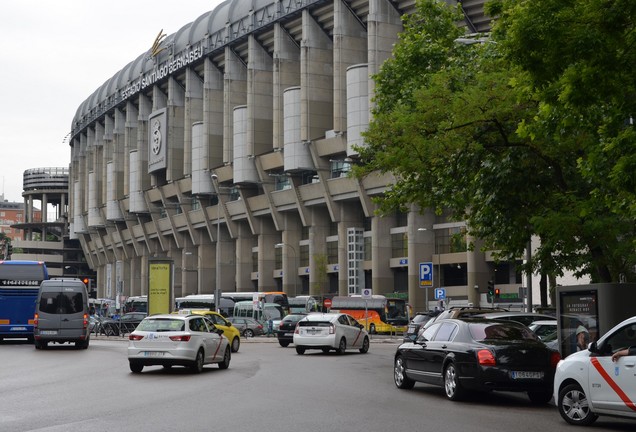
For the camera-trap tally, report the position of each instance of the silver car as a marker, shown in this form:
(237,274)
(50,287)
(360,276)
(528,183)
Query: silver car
(184,340)
(330,331)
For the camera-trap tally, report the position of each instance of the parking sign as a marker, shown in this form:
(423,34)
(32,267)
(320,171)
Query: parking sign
(426,274)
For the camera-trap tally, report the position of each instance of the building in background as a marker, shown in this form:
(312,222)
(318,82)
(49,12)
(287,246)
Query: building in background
(44,234)
(12,213)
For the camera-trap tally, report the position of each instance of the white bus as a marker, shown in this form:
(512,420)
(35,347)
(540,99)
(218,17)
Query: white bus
(259,311)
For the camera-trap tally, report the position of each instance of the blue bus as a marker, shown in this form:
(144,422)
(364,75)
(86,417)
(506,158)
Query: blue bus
(19,285)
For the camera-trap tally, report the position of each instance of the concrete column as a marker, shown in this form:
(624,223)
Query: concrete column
(349,48)
(316,80)
(383,25)
(176,132)
(259,98)
(318,277)
(382,275)
(212,116)
(421,249)
(477,269)
(267,239)
(244,243)
(234,94)
(290,238)
(129,142)
(227,260)
(193,113)
(286,74)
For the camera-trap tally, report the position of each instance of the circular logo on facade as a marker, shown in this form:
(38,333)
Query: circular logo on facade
(156,137)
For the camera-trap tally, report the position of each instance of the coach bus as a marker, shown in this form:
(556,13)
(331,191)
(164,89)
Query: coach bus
(303,304)
(278,297)
(261,312)
(19,285)
(378,314)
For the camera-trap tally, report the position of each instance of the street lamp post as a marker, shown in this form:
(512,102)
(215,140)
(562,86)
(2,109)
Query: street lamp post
(280,245)
(217,288)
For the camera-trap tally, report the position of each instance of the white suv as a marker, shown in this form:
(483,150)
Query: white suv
(330,331)
(184,340)
(587,383)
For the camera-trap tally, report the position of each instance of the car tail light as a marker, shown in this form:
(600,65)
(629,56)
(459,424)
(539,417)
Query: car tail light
(486,358)
(555,357)
(297,329)
(36,320)
(260,326)
(332,329)
(182,338)
(85,323)
(135,337)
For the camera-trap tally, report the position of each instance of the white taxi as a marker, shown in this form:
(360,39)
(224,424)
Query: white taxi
(588,383)
(183,340)
(330,331)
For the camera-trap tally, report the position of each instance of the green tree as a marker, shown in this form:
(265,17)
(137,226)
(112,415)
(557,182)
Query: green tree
(470,132)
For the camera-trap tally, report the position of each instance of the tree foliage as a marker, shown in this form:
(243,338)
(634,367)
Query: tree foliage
(525,134)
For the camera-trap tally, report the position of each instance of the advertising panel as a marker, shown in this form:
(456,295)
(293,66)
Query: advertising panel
(159,287)
(578,319)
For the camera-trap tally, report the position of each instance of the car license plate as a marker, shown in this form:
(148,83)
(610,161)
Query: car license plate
(48,332)
(526,375)
(153,353)
(289,334)
(17,329)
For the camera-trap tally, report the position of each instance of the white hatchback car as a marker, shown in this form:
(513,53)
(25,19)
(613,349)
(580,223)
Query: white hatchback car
(184,340)
(588,384)
(330,331)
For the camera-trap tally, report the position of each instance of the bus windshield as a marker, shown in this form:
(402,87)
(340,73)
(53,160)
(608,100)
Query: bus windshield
(19,285)
(378,313)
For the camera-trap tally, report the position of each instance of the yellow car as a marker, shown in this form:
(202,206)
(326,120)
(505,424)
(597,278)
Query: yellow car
(231,333)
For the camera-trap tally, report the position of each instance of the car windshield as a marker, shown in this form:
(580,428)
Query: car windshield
(161,324)
(421,318)
(486,331)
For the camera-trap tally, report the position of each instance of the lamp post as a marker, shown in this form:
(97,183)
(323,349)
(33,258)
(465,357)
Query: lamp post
(280,245)
(217,288)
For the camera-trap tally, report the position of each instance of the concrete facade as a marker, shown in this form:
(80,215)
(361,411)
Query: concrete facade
(234,137)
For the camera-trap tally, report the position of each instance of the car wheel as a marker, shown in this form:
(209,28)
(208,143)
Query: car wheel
(399,375)
(248,333)
(136,367)
(342,346)
(197,365)
(574,406)
(236,343)
(226,359)
(284,344)
(326,350)
(40,344)
(540,397)
(300,350)
(365,346)
(452,387)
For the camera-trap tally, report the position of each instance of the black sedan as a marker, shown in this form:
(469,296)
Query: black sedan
(286,328)
(476,354)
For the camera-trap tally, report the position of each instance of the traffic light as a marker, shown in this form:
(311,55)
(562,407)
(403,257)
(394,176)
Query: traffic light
(497,292)
(491,288)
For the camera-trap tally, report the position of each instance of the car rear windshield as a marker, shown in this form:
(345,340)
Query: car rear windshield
(62,302)
(314,323)
(486,331)
(161,324)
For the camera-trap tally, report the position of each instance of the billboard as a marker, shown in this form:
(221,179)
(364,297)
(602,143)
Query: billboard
(159,286)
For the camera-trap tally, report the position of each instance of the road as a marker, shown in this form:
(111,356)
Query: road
(266,388)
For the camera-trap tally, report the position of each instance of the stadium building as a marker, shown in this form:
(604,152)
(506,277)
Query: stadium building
(225,148)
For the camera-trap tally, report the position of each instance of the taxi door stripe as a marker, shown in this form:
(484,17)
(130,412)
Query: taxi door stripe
(218,347)
(621,394)
(357,337)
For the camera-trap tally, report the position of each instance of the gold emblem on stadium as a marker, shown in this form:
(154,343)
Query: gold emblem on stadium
(156,45)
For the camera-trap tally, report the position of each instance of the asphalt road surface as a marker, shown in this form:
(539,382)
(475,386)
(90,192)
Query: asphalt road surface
(266,388)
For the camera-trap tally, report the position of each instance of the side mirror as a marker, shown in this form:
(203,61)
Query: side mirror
(593,348)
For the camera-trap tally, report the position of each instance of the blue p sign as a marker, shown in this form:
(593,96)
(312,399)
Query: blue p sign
(426,274)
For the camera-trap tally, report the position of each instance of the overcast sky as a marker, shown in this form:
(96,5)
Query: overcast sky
(55,54)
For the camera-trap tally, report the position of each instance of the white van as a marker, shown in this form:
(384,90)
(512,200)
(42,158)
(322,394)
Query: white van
(61,313)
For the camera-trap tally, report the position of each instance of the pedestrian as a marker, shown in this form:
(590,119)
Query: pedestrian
(270,327)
